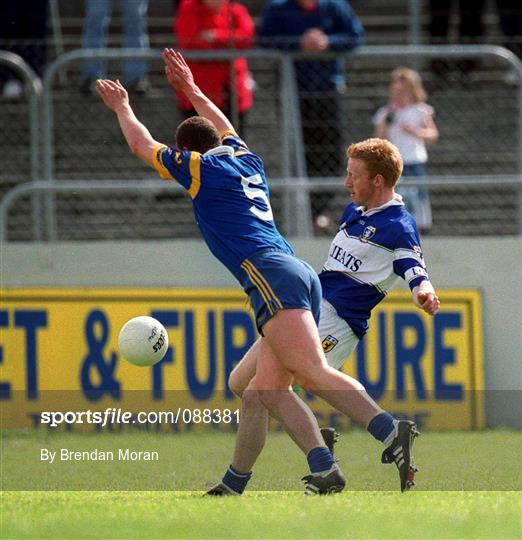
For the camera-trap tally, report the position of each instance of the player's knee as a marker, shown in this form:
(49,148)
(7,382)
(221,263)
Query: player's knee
(236,384)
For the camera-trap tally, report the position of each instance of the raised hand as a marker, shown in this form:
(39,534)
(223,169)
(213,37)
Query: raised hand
(180,78)
(178,73)
(112,93)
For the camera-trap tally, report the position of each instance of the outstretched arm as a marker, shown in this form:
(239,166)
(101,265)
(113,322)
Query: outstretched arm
(424,297)
(136,134)
(180,78)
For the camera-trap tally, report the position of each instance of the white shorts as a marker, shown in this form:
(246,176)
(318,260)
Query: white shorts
(338,339)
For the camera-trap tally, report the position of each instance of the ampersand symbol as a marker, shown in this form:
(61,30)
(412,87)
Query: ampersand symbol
(95,360)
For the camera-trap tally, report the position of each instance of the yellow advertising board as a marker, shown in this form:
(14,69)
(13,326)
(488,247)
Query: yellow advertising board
(58,345)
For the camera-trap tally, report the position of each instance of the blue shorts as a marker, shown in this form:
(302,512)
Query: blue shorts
(275,280)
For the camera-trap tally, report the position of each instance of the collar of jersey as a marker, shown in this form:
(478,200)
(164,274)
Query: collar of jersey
(220,151)
(396,201)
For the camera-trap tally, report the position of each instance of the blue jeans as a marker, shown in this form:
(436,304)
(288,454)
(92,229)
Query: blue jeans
(97,18)
(416,199)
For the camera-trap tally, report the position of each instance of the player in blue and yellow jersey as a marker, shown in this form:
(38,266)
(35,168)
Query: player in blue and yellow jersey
(376,245)
(230,196)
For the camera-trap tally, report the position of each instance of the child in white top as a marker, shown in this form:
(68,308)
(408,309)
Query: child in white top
(407,121)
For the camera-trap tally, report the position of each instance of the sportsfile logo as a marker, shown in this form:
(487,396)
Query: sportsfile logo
(111,416)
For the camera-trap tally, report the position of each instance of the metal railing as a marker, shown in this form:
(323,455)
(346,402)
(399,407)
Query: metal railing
(288,186)
(409,53)
(412,55)
(291,147)
(34,88)
(63,61)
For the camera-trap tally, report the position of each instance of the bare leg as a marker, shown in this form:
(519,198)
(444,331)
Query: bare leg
(245,370)
(273,384)
(294,338)
(355,401)
(251,435)
(252,431)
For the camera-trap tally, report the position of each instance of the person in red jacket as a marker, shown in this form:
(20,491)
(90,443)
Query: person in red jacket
(217,24)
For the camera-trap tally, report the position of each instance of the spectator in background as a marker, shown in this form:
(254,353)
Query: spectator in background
(316,26)
(23,31)
(97,18)
(407,121)
(217,24)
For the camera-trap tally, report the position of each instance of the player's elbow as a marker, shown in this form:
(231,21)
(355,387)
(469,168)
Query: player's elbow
(135,147)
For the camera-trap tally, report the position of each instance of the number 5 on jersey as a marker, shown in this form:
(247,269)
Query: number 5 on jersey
(256,193)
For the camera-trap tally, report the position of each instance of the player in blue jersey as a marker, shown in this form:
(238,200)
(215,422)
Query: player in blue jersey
(376,244)
(227,184)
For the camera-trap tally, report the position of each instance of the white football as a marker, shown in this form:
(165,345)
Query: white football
(143,341)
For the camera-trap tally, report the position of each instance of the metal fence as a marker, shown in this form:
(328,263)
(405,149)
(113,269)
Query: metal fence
(477,96)
(138,217)
(20,133)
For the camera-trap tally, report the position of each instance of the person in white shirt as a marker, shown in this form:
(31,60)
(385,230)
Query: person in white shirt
(407,121)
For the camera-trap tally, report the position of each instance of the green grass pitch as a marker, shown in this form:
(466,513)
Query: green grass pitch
(469,487)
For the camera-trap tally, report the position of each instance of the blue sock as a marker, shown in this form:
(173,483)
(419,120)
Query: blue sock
(235,480)
(382,427)
(320,459)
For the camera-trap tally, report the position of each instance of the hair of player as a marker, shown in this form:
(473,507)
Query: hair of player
(413,83)
(380,157)
(197,134)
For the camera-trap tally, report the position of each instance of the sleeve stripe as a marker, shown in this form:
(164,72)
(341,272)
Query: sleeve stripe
(414,273)
(195,173)
(227,133)
(408,254)
(157,163)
